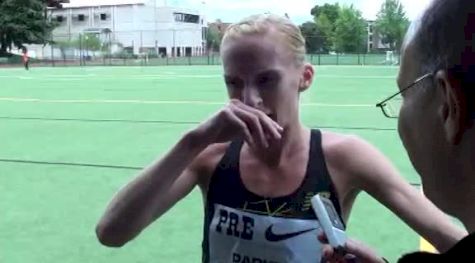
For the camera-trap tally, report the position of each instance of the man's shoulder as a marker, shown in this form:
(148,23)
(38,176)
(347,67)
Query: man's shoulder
(462,250)
(421,257)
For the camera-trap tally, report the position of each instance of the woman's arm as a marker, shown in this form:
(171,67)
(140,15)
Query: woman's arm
(371,171)
(155,190)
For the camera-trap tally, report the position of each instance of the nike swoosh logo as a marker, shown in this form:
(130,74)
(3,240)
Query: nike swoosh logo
(271,236)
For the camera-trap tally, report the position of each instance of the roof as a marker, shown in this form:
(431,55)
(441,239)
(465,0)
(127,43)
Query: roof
(89,3)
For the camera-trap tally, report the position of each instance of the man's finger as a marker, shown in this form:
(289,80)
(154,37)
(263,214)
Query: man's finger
(327,251)
(322,238)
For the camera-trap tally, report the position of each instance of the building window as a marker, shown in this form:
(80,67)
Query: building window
(204,30)
(370,29)
(81,17)
(371,38)
(178,17)
(60,19)
(371,46)
(103,17)
(187,18)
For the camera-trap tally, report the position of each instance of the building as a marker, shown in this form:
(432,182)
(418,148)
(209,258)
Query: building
(133,26)
(374,39)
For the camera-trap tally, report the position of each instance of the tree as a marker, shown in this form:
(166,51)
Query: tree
(330,11)
(325,18)
(313,40)
(213,40)
(56,3)
(23,22)
(215,35)
(392,23)
(350,31)
(327,32)
(91,41)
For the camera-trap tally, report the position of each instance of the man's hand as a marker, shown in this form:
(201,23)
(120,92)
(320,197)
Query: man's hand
(354,251)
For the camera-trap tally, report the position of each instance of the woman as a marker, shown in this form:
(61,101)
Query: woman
(258,166)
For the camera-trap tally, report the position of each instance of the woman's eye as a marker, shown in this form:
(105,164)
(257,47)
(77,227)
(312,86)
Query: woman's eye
(265,80)
(233,83)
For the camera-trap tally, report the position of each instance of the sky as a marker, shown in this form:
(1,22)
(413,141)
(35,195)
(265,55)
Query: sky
(298,10)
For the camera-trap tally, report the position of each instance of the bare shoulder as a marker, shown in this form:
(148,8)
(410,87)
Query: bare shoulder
(206,162)
(342,147)
(354,156)
(350,154)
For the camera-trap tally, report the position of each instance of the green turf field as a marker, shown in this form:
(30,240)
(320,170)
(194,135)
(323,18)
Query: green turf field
(59,126)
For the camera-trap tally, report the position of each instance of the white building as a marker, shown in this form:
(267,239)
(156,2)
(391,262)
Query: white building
(375,42)
(138,26)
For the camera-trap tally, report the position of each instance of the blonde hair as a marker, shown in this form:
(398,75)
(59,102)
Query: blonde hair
(264,23)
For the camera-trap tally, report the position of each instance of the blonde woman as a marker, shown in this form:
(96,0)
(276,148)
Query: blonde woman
(257,165)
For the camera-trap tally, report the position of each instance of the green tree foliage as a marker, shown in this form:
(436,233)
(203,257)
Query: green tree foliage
(325,18)
(213,40)
(327,32)
(331,11)
(23,22)
(215,35)
(392,23)
(313,39)
(350,31)
(91,42)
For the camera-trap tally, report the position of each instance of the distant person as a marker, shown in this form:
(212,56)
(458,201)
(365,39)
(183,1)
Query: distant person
(258,166)
(436,121)
(25,58)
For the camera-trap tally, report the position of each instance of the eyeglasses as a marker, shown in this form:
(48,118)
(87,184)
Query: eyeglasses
(392,104)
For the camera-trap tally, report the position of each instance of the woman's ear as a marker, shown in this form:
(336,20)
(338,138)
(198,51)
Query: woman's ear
(306,79)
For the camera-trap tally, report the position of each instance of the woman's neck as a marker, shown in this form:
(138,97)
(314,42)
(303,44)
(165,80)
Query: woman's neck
(293,139)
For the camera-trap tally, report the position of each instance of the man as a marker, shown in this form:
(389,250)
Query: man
(437,84)
(25,58)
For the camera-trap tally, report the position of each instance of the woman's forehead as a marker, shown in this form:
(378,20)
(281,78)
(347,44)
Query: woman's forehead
(254,52)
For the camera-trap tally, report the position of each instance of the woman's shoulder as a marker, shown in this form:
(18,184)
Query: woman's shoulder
(206,162)
(347,151)
(341,144)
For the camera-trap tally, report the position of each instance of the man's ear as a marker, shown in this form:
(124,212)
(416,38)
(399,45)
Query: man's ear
(306,79)
(454,110)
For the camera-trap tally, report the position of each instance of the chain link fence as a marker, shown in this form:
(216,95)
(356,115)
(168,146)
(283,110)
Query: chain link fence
(141,48)
(207,59)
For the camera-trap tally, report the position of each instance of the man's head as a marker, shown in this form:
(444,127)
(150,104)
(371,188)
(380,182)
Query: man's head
(264,65)
(436,118)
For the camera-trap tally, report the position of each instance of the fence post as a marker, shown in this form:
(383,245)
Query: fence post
(52,55)
(319,61)
(359,59)
(337,59)
(81,62)
(189,60)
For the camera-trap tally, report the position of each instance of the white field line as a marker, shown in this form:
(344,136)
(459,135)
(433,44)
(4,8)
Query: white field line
(178,102)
